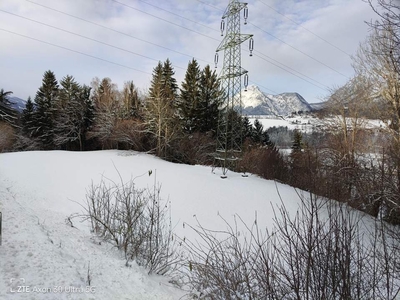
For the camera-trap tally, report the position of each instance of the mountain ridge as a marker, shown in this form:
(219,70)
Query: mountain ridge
(255,102)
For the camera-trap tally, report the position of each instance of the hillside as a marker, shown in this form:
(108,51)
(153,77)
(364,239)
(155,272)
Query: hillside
(255,102)
(39,190)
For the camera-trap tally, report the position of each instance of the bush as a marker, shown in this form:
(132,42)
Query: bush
(134,220)
(266,162)
(324,251)
(7,137)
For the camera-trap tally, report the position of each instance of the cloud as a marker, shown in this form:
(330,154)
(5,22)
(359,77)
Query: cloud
(154,29)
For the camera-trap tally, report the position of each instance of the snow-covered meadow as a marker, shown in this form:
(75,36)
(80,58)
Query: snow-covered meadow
(40,190)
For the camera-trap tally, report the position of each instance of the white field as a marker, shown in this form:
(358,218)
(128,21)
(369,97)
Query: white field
(308,123)
(39,190)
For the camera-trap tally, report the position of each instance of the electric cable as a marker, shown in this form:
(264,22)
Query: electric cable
(85,37)
(75,51)
(114,30)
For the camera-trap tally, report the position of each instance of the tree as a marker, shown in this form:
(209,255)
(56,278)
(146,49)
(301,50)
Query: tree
(131,101)
(378,60)
(46,110)
(160,109)
(7,113)
(28,117)
(297,145)
(257,132)
(189,109)
(169,87)
(76,114)
(108,108)
(211,98)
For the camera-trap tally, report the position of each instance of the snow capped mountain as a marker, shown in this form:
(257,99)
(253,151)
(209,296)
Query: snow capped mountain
(255,102)
(17,103)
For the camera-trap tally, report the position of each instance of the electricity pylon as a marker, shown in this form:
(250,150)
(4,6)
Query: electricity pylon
(229,131)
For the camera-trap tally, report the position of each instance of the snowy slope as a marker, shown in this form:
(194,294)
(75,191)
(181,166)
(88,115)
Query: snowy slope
(39,190)
(255,102)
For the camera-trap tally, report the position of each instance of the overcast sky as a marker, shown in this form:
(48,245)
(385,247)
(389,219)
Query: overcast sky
(124,40)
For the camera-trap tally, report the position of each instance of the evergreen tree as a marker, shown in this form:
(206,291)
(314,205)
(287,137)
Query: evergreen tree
(76,114)
(160,108)
(28,117)
(247,130)
(189,101)
(257,133)
(131,100)
(297,145)
(261,136)
(46,110)
(210,97)
(169,86)
(7,113)
(108,108)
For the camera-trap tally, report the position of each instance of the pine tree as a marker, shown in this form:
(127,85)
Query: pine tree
(28,117)
(297,145)
(7,113)
(210,97)
(160,115)
(247,130)
(131,101)
(108,108)
(189,101)
(257,134)
(46,110)
(169,86)
(76,114)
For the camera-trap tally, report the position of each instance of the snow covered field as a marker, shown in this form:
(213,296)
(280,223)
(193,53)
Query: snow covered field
(308,123)
(40,190)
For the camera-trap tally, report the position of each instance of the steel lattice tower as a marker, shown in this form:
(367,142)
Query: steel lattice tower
(229,132)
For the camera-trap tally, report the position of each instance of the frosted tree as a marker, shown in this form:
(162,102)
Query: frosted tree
(106,99)
(75,116)
(46,110)
(160,115)
(7,113)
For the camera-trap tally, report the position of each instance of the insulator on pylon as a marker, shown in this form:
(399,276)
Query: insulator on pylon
(251,46)
(246,81)
(216,59)
(246,15)
(222,27)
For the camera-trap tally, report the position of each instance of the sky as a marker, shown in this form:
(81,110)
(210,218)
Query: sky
(302,46)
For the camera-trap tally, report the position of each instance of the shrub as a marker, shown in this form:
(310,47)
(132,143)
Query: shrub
(134,220)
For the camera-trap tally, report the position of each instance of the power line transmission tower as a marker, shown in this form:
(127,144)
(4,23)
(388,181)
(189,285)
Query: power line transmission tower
(229,131)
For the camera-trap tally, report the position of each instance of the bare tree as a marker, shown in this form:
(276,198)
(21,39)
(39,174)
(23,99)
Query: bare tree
(378,60)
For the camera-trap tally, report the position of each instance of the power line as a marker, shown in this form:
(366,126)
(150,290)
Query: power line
(293,47)
(167,21)
(177,15)
(208,4)
(96,24)
(75,51)
(85,37)
(298,50)
(304,79)
(298,24)
(291,70)
(116,31)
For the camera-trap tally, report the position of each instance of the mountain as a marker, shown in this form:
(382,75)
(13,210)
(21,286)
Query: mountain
(255,102)
(17,103)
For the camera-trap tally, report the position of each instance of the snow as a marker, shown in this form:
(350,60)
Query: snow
(40,190)
(254,101)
